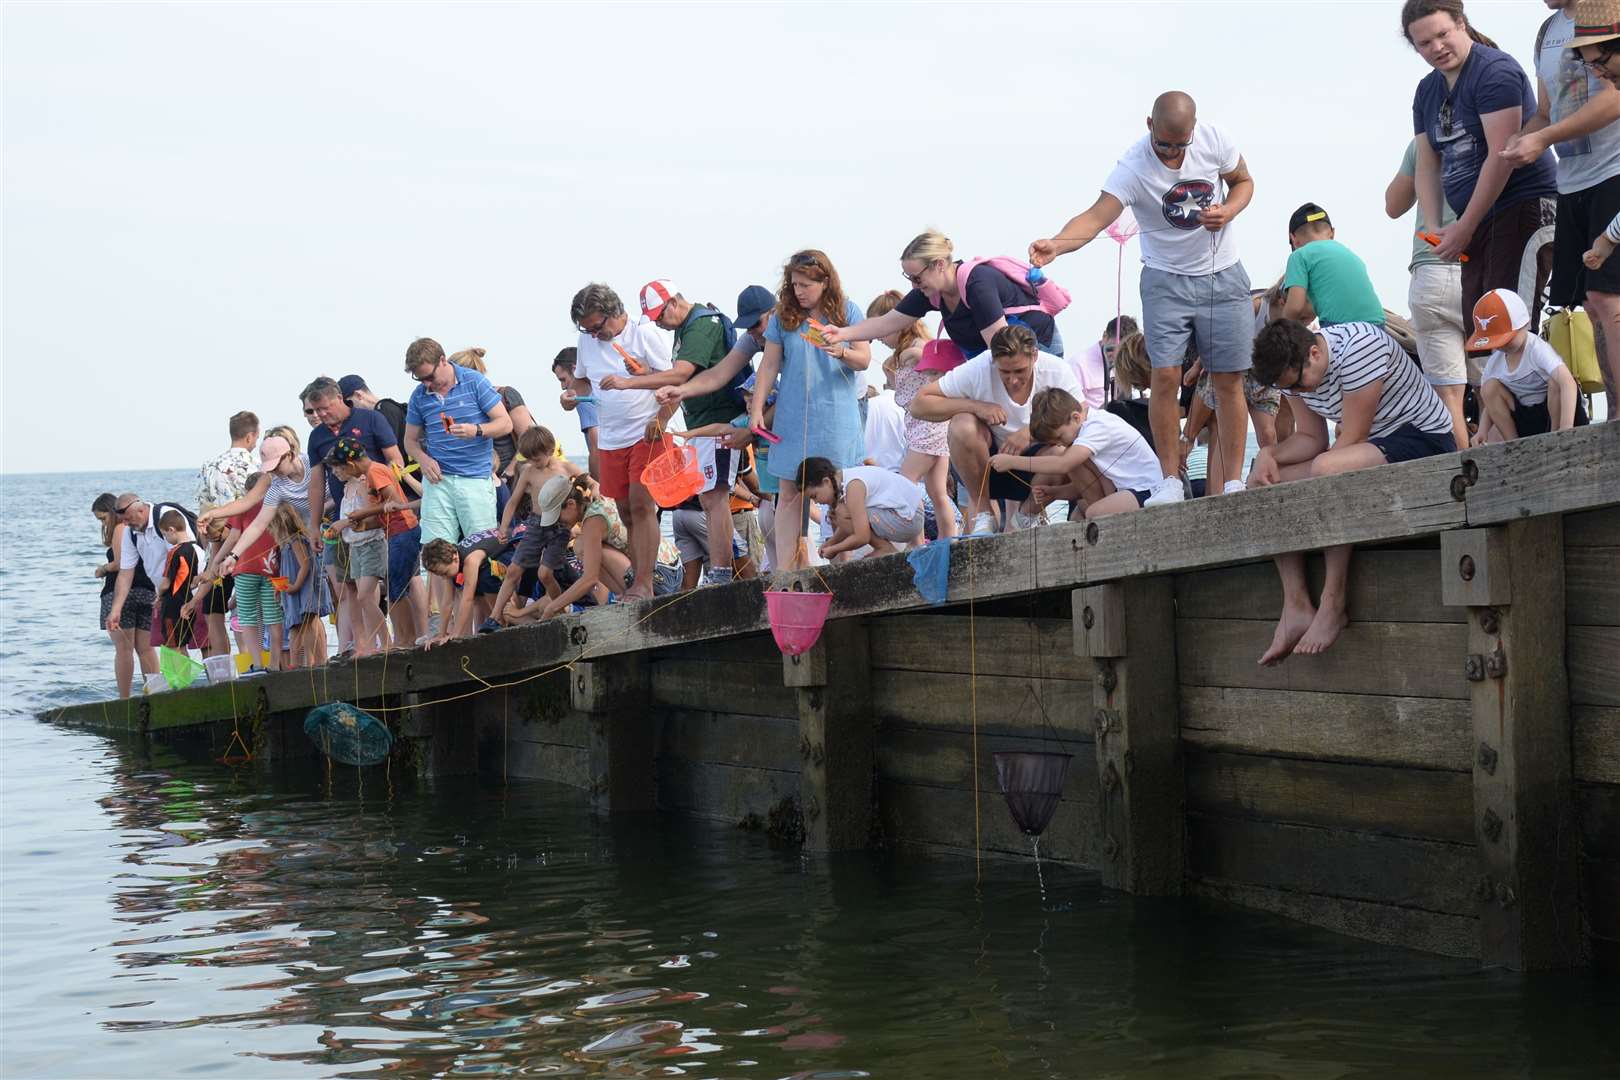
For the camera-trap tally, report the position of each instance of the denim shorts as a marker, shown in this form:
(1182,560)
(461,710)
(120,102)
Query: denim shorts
(1212,312)
(404,550)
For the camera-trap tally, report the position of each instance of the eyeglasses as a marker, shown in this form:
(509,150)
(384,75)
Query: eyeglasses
(308,411)
(591,331)
(419,378)
(1299,373)
(916,279)
(126,508)
(1170,147)
(1600,63)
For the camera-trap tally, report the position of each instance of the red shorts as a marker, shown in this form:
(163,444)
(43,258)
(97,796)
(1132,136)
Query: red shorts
(621,468)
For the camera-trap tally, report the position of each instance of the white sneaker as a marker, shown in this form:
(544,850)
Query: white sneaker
(983,523)
(1167,490)
(1233,487)
(1020,520)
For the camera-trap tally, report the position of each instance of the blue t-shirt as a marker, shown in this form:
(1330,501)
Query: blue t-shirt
(468,402)
(373,431)
(1490,81)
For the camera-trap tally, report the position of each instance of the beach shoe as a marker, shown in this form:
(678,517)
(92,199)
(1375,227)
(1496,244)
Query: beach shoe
(984,523)
(1232,487)
(489,626)
(1168,490)
(1020,520)
(722,576)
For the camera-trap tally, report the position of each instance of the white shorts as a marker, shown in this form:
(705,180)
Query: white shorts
(718,462)
(1435,297)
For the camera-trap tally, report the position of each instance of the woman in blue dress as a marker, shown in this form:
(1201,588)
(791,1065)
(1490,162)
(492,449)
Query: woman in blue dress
(818,398)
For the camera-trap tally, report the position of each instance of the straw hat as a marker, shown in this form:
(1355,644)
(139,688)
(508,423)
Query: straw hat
(1595,21)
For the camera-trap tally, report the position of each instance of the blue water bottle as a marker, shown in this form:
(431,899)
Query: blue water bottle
(1036,277)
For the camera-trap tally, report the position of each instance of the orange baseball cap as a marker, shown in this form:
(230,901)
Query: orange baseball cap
(1497,317)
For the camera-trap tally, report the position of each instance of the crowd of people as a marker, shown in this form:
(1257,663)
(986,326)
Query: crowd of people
(987,423)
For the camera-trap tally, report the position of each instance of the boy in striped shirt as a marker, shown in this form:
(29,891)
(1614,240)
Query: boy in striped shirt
(1360,377)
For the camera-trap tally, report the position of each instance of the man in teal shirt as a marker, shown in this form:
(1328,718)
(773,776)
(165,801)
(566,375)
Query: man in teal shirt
(1324,276)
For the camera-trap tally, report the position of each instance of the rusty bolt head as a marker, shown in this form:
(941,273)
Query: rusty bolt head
(1490,620)
(1465,568)
(1474,667)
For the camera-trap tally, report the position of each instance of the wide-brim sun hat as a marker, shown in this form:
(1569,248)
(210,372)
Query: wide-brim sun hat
(1596,21)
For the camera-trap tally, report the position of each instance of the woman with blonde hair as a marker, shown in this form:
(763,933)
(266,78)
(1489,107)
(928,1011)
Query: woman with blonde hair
(818,401)
(970,313)
(927,461)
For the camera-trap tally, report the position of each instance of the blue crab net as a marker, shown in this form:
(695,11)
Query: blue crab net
(931,569)
(348,735)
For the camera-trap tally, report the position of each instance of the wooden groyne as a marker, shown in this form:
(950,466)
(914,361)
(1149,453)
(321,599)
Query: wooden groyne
(1447,777)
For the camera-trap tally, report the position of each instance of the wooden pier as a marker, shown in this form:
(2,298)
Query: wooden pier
(1447,777)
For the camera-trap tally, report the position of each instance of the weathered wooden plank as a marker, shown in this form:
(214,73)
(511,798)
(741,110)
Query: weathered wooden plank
(1594,661)
(1408,499)
(1409,873)
(1597,743)
(1016,648)
(1411,928)
(1386,585)
(942,818)
(1592,528)
(1592,585)
(1426,733)
(837,732)
(752,689)
(923,756)
(1598,811)
(746,649)
(1421,803)
(725,792)
(560,764)
(767,742)
(1546,474)
(1005,706)
(1400,659)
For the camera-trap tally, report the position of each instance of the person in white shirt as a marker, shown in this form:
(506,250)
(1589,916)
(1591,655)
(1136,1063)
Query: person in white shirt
(1194,288)
(1358,376)
(872,509)
(611,347)
(1526,388)
(885,430)
(986,401)
(1094,458)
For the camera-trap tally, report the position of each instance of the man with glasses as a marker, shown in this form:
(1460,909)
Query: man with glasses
(613,347)
(450,423)
(145,546)
(1194,288)
(1358,376)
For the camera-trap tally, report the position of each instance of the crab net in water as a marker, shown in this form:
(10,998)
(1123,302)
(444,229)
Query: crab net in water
(348,735)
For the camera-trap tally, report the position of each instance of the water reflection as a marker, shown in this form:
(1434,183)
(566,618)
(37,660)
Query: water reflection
(291,924)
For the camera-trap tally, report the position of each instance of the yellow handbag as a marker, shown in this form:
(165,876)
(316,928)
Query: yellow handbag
(1570,335)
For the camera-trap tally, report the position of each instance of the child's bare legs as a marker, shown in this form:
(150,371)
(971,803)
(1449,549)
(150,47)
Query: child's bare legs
(933,472)
(368,621)
(417,594)
(219,637)
(274,632)
(403,615)
(1499,402)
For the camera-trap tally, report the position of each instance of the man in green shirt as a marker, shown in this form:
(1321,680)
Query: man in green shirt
(703,337)
(1324,276)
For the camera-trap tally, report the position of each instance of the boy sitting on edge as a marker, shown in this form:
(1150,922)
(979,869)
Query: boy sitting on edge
(1359,376)
(1324,276)
(1105,464)
(1526,388)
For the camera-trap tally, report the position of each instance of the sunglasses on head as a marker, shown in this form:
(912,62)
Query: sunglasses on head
(126,508)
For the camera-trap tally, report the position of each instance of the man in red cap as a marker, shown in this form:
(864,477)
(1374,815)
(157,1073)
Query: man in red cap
(703,337)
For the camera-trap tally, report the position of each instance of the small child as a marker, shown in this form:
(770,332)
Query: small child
(1106,466)
(541,462)
(1324,276)
(541,556)
(871,506)
(181,628)
(304,601)
(927,459)
(466,566)
(1526,388)
(258,606)
(367,542)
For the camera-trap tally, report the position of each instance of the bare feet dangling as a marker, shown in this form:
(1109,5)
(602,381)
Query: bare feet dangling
(1290,629)
(1324,630)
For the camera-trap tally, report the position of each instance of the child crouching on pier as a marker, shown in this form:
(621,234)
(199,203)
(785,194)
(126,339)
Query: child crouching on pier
(1358,376)
(1101,462)
(871,506)
(1526,388)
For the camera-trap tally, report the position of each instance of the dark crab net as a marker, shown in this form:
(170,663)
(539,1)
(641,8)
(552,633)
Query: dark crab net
(1032,784)
(348,735)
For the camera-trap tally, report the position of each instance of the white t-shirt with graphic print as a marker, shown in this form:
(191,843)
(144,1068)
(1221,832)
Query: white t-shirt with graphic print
(1168,202)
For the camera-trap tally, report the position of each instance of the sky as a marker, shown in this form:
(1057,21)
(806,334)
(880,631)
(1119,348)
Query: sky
(207,205)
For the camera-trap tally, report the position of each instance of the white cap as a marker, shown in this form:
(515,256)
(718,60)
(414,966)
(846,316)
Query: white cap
(654,295)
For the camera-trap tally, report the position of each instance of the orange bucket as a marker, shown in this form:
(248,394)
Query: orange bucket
(797,618)
(674,475)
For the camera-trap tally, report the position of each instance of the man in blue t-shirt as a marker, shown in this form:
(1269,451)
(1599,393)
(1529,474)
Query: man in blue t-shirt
(450,424)
(1464,113)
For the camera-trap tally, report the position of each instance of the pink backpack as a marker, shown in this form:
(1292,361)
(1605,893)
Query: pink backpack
(1050,296)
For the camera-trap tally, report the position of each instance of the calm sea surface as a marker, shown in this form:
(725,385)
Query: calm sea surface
(170,917)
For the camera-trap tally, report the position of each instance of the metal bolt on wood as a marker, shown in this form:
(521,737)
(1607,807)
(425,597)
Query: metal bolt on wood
(1492,826)
(1088,618)
(1106,677)
(1505,895)
(1110,777)
(1474,667)
(1496,663)
(1103,720)
(1465,568)
(1487,758)
(1490,620)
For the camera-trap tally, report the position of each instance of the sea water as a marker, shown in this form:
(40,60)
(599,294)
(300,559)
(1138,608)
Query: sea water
(164,915)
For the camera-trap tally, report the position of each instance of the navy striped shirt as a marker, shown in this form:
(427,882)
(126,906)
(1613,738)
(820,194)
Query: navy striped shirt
(1362,353)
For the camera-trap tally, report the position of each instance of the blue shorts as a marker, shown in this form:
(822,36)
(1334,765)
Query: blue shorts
(403,551)
(587,416)
(1211,311)
(1409,442)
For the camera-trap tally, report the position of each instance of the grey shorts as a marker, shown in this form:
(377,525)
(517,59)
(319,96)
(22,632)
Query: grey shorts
(369,559)
(889,525)
(1212,312)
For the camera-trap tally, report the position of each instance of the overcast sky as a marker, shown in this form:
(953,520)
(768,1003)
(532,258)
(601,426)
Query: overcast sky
(207,205)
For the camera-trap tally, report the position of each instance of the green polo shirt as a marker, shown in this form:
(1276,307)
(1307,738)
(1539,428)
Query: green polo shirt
(1335,279)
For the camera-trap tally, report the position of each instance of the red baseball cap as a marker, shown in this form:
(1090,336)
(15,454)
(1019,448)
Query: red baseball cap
(1499,315)
(654,295)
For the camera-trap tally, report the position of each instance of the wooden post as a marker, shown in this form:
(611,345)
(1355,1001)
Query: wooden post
(1129,629)
(1511,578)
(623,732)
(837,732)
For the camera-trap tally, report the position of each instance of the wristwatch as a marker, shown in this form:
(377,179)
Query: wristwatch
(480,429)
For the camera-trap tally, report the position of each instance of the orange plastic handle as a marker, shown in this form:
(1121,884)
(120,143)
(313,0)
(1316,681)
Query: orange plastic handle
(1434,241)
(636,367)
